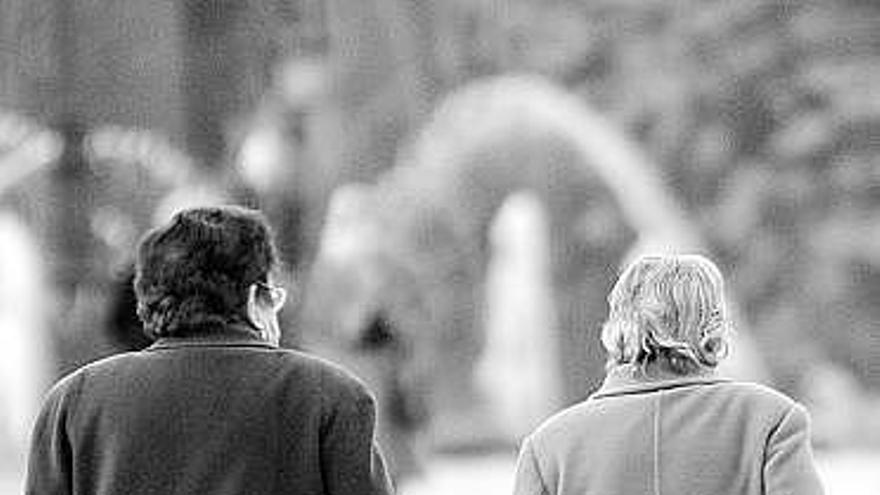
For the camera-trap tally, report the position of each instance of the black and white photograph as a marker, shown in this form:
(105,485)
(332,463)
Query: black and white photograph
(439,247)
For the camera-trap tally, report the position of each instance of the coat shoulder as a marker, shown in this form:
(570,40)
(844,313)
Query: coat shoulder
(754,396)
(327,374)
(761,395)
(106,366)
(570,419)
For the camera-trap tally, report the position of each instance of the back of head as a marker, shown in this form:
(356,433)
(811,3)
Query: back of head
(670,309)
(194,272)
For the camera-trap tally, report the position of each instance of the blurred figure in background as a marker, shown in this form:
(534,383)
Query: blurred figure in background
(123,327)
(664,421)
(351,318)
(25,360)
(214,406)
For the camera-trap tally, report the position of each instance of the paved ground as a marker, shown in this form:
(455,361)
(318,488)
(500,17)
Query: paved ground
(9,485)
(847,473)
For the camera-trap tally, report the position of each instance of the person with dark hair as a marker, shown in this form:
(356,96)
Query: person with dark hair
(214,406)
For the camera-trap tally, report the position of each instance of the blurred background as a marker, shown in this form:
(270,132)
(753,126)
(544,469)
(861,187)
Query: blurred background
(455,185)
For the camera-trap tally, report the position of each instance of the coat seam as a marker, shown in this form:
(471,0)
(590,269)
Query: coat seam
(75,394)
(656,446)
(770,434)
(534,455)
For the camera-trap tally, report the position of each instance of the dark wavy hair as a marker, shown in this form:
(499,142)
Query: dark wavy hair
(194,272)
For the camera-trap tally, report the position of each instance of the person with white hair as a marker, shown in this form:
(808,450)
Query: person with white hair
(664,421)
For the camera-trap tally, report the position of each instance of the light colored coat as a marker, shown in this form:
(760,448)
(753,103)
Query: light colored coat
(672,435)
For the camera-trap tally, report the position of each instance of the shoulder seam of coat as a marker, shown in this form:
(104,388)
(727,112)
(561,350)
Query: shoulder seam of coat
(75,395)
(656,447)
(533,449)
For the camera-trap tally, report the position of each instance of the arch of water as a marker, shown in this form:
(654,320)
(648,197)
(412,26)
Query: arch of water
(423,253)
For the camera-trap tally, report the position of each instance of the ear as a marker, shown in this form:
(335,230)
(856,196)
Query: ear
(252,310)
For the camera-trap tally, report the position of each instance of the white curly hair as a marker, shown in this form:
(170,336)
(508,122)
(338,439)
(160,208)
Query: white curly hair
(670,308)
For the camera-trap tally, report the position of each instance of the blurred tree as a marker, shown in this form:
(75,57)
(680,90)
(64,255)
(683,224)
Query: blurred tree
(226,65)
(762,116)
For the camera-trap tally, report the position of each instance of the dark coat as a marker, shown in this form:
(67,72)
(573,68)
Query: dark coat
(696,435)
(224,414)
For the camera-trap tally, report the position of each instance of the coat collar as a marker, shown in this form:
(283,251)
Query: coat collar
(631,379)
(228,336)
